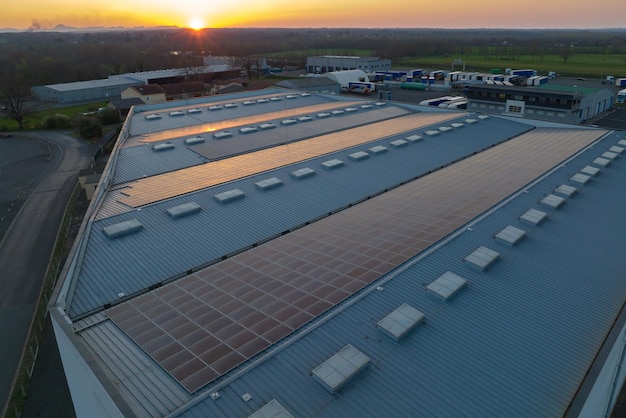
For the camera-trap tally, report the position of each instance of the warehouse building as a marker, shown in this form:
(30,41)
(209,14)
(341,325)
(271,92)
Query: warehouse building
(285,253)
(552,102)
(327,63)
(112,87)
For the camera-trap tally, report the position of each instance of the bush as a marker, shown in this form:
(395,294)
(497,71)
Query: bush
(89,128)
(57,121)
(109,116)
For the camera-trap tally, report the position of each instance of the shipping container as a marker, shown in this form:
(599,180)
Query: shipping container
(526,73)
(361,87)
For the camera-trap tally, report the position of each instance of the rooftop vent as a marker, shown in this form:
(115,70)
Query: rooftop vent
(291,96)
(610,155)
(351,109)
(336,112)
(269,183)
(215,107)
(184,210)
(222,135)
(305,118)
(414,138)
(553,201)
(359,155)
(604,162)
(470,121)
(123,228)
(177,113)
(302,173)
(483,117)
(399,322)
(248,129)
(510,235)
(456,125)
(340,368)
(580,178)
(399,143)
(194,140)
(263,100)
(229,196)
(276,99)
(378,149)
(305,94)
(267,125)
(566,190)
(432,132)
(445,128)
(534,216)
(153,116)
(331,164)
(230,105)
(482,258)
(322,115)
(447,285)
(194,110)
(616,149)
(379,103)
(590,171)
(163,147)
(288,121)
(248,103)
(272,409)
(622,142)
(366,106)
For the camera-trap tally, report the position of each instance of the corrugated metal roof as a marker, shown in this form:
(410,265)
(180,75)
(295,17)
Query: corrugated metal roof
(516,342)
(166,248)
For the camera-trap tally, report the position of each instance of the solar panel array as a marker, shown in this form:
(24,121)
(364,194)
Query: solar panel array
(200,327)
(156,188)
(241,121)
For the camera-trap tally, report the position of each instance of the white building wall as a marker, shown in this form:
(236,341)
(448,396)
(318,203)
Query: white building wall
(89,397)
(607,387)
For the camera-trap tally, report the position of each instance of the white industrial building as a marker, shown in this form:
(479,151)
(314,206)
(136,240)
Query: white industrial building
(295,254)
(328,63)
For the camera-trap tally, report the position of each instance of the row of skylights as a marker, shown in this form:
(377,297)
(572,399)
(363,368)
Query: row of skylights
(194,110)
(285,122)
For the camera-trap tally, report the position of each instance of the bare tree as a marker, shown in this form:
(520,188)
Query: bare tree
(16,100)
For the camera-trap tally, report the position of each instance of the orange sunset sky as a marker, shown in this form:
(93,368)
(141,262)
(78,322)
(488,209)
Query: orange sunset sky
(46,14)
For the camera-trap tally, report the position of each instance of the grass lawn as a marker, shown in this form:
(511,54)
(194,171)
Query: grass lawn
(34,121)
(577,65)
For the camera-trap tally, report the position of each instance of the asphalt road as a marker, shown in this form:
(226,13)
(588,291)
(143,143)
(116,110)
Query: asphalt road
(38,172)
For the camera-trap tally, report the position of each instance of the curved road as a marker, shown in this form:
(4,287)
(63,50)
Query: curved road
(38,172)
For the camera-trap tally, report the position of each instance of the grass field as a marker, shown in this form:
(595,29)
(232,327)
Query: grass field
(34,121)
(577,65)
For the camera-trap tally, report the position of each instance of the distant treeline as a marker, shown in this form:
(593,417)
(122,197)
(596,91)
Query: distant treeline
(58,57)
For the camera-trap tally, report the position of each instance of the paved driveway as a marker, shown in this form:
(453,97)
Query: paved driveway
(38,172)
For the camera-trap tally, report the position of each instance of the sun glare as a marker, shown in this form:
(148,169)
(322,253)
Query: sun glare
(196,23)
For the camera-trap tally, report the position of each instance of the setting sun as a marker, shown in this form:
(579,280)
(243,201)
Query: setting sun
(196,23)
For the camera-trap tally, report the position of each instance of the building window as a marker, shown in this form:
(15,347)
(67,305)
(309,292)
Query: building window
(540,112)
(542,100)
(560,114)
(518,97)
(530,110)
(502,96)
(515,109)
(563,101)
(552,100)
(532,99)
(550,113)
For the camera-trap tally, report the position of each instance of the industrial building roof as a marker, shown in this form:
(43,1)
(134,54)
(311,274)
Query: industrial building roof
(368,258)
